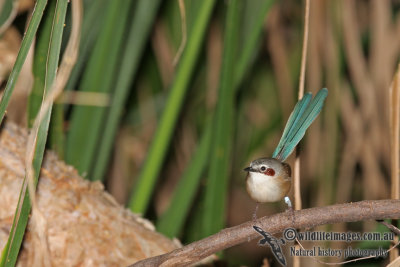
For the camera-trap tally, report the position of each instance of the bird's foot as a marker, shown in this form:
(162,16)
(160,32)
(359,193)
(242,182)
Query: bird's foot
(290,209)
(255,212)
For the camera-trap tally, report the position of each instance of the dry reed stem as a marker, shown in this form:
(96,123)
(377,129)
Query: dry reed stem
(351,147)
(356,60)
(352,124)
(17,107)
(326,164)
(314,75)
(374,129)
(395,133)
(296,176)
(304,50)
(365,86)
(68,61)
(381,59)
(395,263)
(396,36)
(395,142)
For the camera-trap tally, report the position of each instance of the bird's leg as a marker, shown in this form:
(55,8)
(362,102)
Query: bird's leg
(288,202)
(255,212)
(290,208)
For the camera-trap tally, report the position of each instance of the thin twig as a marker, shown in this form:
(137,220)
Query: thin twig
(392,228)
(307,218)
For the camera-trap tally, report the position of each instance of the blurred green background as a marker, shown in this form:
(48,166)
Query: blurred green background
(170,141)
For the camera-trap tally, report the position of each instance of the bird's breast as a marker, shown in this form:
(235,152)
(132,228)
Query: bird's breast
(263,188)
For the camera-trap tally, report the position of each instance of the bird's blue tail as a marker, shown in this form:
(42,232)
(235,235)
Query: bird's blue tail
(303,114)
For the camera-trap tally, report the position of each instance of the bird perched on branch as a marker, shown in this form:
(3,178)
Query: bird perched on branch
(269,179)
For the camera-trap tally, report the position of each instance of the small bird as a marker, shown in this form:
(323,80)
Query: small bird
(269,179)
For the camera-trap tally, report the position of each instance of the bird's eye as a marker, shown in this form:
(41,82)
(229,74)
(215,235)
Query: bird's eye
(263,168)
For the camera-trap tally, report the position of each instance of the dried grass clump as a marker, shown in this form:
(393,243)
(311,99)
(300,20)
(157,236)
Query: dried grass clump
(85,226)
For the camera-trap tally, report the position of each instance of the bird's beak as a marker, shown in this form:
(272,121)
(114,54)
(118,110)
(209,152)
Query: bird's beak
(249,169)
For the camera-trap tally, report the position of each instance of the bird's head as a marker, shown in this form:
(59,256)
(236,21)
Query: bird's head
(270,167)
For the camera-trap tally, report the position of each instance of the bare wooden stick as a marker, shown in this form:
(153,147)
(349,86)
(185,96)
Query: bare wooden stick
(307,218)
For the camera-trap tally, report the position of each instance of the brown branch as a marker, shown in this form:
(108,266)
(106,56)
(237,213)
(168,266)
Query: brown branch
(307,218)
